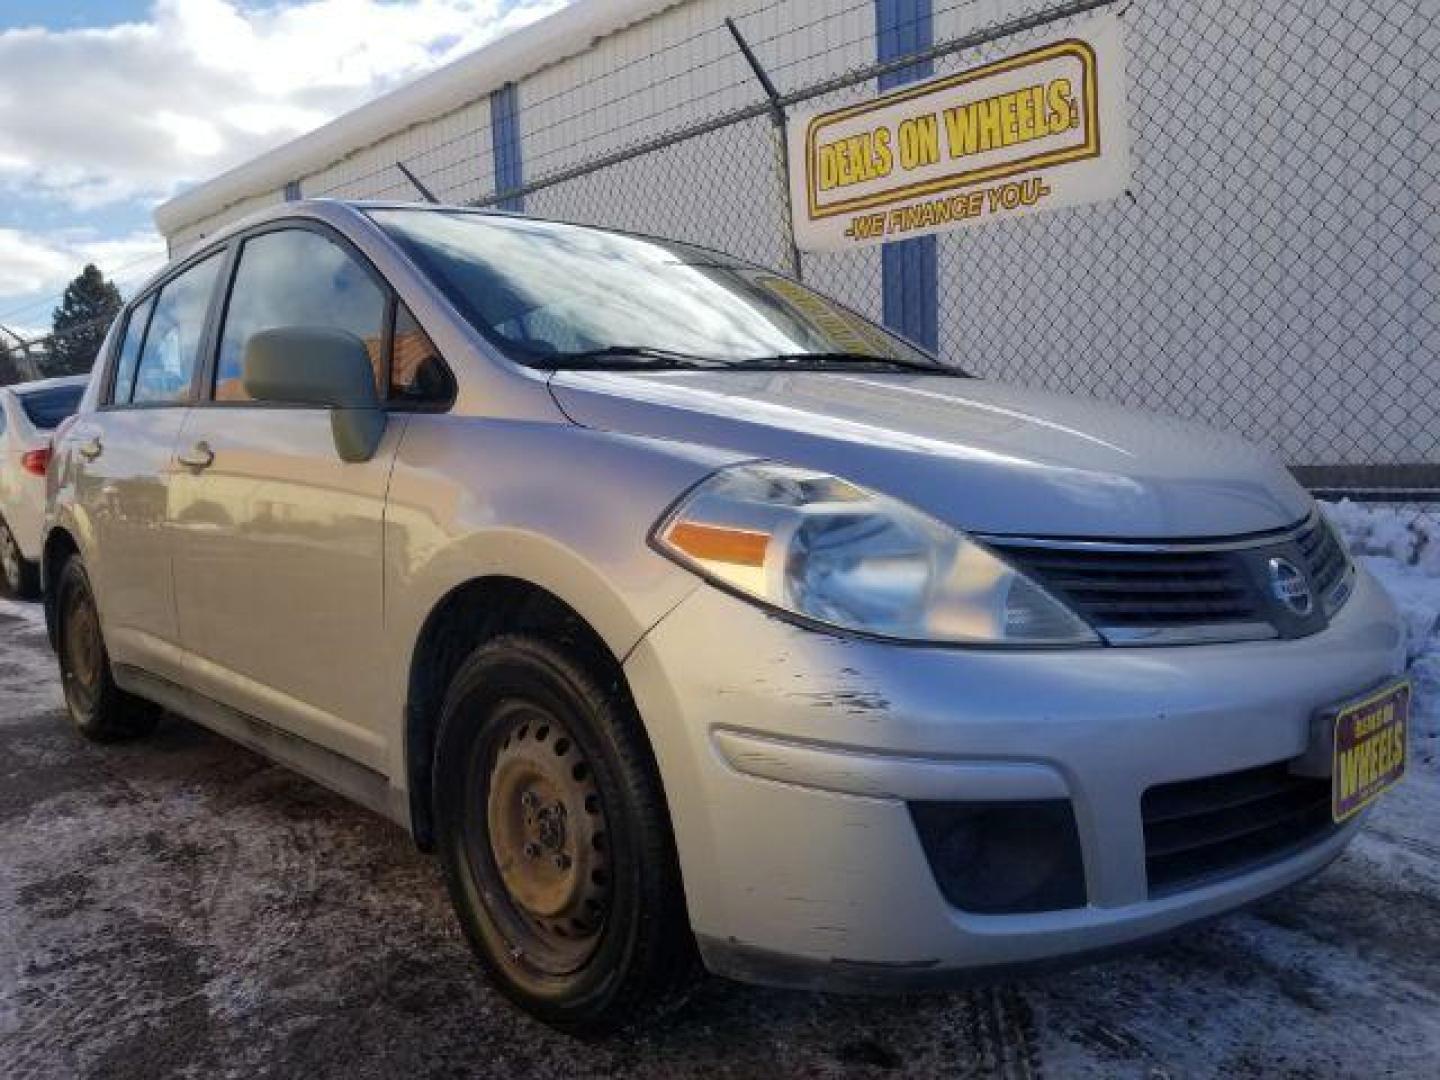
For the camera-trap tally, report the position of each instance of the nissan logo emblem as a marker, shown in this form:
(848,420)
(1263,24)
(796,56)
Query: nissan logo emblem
(1289,585)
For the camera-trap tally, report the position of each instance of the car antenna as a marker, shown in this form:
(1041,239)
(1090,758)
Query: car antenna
(425,193)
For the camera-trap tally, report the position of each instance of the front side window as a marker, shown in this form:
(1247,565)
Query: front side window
(129,357)
(294,278)
(172,343)
(554,295)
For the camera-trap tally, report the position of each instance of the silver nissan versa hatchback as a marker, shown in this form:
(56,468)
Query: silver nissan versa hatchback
(695,621)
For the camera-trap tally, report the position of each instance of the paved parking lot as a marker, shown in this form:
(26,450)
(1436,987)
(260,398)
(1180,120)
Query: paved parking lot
(181,908)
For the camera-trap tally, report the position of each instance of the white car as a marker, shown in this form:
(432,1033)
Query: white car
(29,414)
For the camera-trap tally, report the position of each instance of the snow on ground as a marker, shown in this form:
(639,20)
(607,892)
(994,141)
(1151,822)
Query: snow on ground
(179,907)
(1400,545)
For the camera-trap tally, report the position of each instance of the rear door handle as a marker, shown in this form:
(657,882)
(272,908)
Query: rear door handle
(199,456)
(91,449)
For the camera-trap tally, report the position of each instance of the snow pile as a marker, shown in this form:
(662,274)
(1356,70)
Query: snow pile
(1400,545)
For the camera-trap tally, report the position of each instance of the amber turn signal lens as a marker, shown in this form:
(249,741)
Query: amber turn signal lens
(719,544)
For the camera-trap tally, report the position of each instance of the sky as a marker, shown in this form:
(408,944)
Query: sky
(108,107)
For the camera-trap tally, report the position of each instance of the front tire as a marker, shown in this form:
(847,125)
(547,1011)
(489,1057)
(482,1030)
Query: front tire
(100,710)
(556,841)
(19,577)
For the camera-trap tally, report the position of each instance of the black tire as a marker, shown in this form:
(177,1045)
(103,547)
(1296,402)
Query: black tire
(514,703)
(100,710)
(19,577)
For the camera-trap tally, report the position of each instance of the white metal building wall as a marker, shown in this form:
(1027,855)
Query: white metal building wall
(451,152)
(1243,284)
(1272,270)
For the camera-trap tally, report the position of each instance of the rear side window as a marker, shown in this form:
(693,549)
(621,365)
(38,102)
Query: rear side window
(46,408)
(172,344)
(296,277)
(130,351)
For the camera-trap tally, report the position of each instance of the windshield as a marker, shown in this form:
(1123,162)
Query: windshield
(555,295)
(46,408)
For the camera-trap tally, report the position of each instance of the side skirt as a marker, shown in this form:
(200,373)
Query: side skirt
(355,782)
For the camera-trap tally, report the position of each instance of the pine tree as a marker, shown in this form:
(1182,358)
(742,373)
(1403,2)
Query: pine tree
(89,305)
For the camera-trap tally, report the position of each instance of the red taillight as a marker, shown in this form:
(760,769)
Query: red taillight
(35,461)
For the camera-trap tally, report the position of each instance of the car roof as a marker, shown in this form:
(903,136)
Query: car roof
(337,212)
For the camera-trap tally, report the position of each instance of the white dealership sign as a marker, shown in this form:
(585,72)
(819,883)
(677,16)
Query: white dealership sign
(1039,130)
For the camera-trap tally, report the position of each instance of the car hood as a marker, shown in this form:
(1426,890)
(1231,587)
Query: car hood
(981,456)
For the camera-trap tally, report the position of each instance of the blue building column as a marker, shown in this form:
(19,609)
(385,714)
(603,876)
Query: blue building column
(505,142)
(910,268)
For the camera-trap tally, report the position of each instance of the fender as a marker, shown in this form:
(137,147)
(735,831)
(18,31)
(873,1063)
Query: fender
(555,506)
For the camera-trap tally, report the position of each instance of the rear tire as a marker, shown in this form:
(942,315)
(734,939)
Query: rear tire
(556,841)
(19,577)
(100,710)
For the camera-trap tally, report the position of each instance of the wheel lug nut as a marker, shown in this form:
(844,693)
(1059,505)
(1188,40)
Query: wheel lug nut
(562,861)
(529,801)
(532,851)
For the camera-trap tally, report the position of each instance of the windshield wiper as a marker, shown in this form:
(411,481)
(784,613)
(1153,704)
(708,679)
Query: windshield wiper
(649,358)
(625,356)
(846,359)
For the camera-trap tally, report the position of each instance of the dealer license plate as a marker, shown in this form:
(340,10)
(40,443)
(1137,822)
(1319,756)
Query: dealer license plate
(1371,738)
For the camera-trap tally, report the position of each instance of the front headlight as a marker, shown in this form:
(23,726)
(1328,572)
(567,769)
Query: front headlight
(828,551)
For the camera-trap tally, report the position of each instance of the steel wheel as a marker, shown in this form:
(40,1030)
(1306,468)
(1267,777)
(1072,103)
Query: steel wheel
(552,827)
(100,710)
(12,563)
(82,651)
(544,866)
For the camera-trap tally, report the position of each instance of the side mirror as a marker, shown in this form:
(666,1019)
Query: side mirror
(304,365)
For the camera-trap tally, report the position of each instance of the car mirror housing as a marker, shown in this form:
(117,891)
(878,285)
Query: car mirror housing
(330,369)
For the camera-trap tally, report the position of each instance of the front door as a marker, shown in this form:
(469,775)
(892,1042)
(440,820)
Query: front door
(278,542)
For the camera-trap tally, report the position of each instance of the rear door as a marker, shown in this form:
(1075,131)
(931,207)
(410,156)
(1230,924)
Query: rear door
(125,466)
(278,571)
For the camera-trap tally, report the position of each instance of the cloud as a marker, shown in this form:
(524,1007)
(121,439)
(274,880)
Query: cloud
(97,116)
(41,266)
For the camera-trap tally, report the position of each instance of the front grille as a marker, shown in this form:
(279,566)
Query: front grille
(1324,558)
(1144,593)
(1145,589)
(1198,831)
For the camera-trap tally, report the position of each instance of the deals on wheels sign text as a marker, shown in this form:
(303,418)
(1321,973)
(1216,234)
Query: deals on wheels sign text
(1036,131)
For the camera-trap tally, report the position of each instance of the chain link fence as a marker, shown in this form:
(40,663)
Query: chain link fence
(1272,271)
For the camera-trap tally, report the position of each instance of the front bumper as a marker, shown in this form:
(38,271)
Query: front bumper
(791,759)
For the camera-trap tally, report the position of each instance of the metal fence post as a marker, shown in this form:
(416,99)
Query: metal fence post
(782,129)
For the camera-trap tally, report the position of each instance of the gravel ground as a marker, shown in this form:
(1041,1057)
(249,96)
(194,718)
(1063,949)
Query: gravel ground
(182,908)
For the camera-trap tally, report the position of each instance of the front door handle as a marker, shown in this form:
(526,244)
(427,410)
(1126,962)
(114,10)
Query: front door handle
(90,450)
(199,456)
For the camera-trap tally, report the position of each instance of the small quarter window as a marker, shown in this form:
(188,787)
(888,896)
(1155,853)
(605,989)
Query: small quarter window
(417,374)
(172,344)
(130,352)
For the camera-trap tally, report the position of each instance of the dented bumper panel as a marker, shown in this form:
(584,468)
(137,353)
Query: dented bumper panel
(792,759)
